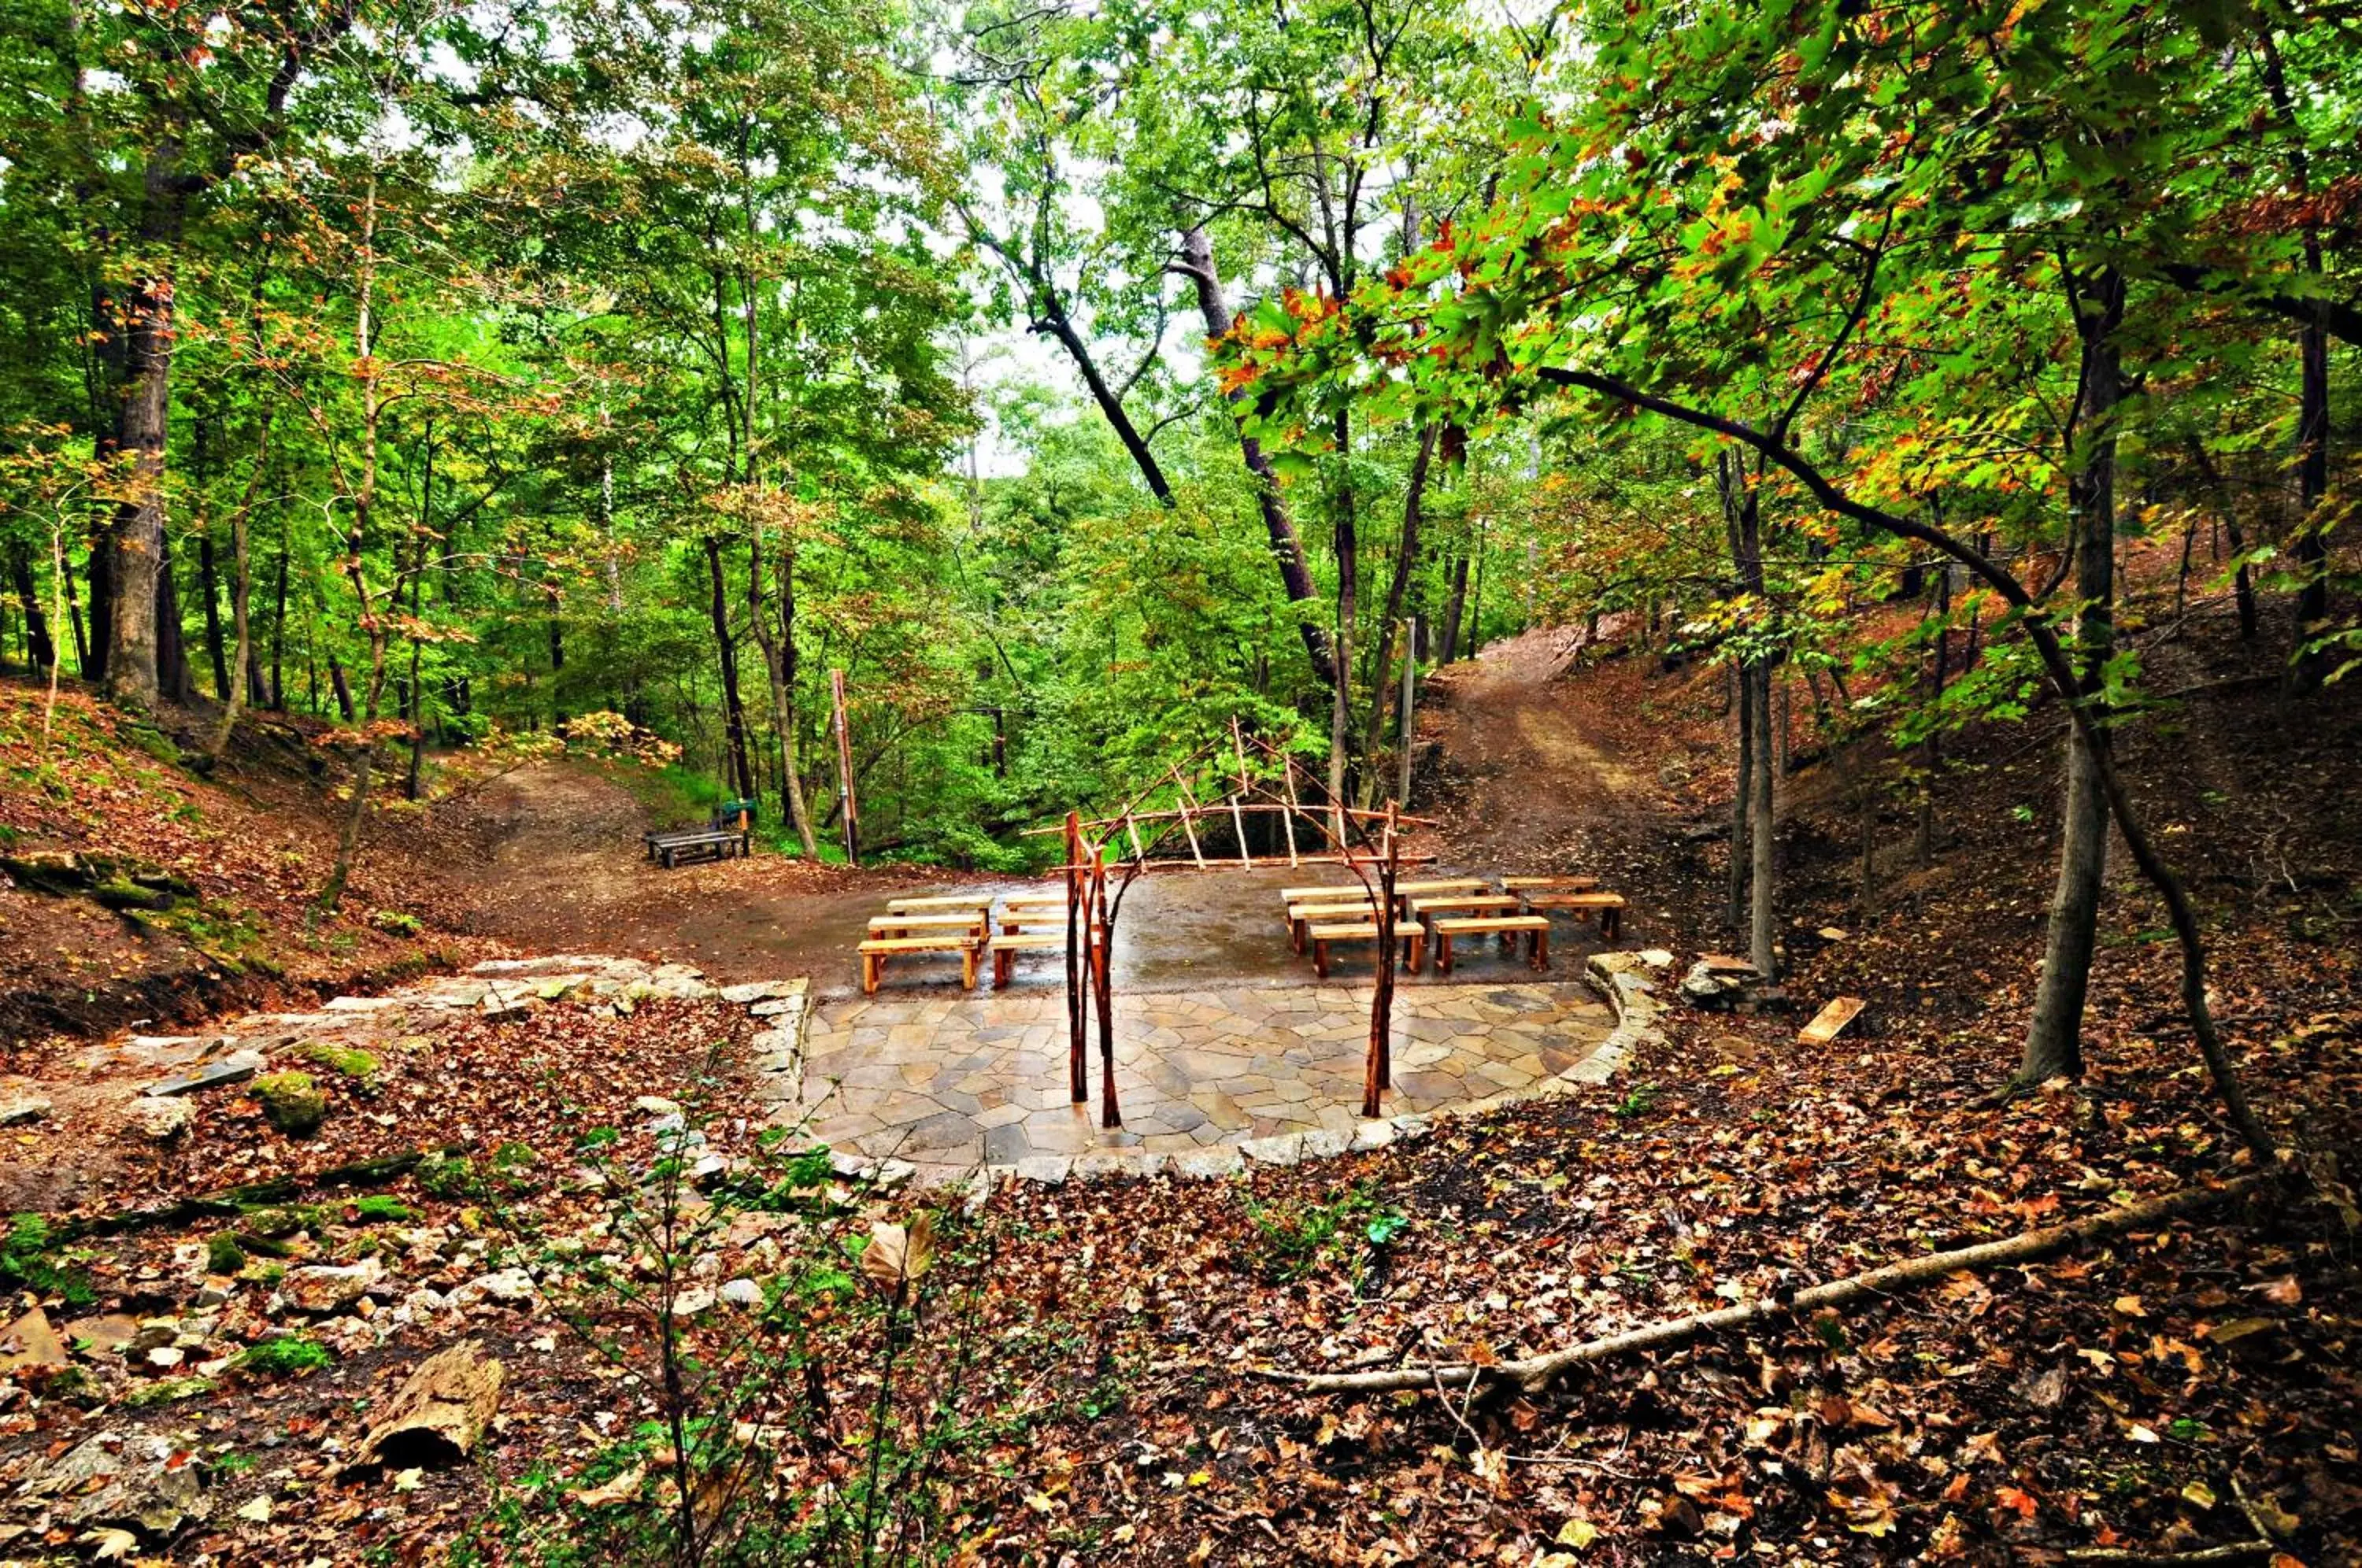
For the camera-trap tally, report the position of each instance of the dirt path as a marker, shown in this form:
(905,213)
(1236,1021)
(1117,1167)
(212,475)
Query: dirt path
(1535,778)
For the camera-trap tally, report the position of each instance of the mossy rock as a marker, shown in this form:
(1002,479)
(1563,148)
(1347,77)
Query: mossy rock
(224,1255)
(350,1060)
(394,922)
(155,879)
(291,1103)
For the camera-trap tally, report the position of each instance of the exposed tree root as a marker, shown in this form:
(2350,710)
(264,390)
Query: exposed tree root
(1533,1373)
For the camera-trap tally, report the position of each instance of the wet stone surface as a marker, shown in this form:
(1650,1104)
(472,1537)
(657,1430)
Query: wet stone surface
(952,1083)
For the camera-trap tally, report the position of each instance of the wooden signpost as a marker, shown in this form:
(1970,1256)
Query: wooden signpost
(845,770)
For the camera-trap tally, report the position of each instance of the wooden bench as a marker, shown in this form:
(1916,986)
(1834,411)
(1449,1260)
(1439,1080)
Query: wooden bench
(1549,884)
(1466,904)
(1323,895)
(1436,887)
(1506,927)
(1006,945)
(672,846)
(1414,940)
(1608,907)
(1346,912)
(952,904)
(889,926)
(876,950)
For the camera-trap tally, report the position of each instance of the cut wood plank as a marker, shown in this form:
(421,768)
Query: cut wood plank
(440,1413)
(1831,1020)
(1549,884)
(947,903)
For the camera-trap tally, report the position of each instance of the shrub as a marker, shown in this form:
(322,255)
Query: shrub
(284,1354)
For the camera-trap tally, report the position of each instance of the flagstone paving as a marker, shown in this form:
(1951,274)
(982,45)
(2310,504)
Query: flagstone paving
(952,1083)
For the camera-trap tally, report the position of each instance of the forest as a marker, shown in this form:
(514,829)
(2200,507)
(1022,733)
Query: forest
(1868,490)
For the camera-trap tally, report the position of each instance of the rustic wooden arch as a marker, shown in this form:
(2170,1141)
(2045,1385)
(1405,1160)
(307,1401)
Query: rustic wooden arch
(1167,826)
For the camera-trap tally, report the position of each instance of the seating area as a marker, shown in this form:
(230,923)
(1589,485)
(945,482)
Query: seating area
(969,926)
(730,830)
(1430,914)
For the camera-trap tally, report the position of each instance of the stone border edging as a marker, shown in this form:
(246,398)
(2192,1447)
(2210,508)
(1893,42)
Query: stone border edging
(1622,977)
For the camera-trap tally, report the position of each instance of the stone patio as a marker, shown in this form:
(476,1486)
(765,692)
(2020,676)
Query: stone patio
(949,1084)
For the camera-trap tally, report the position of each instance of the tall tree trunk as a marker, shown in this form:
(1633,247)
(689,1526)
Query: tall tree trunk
(1763,930)
(209,588)
(2309,547)
(1287,548)
(39,652)
(1348,548)
(1743,793)
(1447,642)
(278,623)
(171,649)
(2054,1043)
(1398,586)
(1752,832)
(137,553)
(779,646)
(241,597)
(734,710)
(1931,749)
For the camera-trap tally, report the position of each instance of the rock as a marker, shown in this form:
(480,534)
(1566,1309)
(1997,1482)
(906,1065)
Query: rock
(509,1287)
(161,1120)
(234,1068)
(420,1306)
(1373,1135)
(1657,957)
(155,1332)
(101,1335)
(693,1302)
(751,991)
(709,1170)
(360,1004)
(1049,1170)
(123,1478)
(1325,1143)
(1209,1164)
(1281,1149)
(29,1348)
(214,1293)
(893,1172)
(291,1103)
(440,1413)
(774,1008)
(742,1294)
(13,1112)
(166,1357)
(656,1105)
(320,1288)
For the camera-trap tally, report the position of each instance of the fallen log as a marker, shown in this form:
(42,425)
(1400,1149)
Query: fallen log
(1532,1373)
(235,1200)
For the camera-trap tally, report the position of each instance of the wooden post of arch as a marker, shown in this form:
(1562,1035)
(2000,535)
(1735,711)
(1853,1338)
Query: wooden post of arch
(1103,969)
(1378,1073)
(1079,922)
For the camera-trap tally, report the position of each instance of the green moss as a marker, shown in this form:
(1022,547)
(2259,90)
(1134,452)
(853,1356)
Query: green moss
(379,1209)
(291,1103)
(168,1391)
(284,1354)
(224,1255)
(350,1060)
(394,922)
